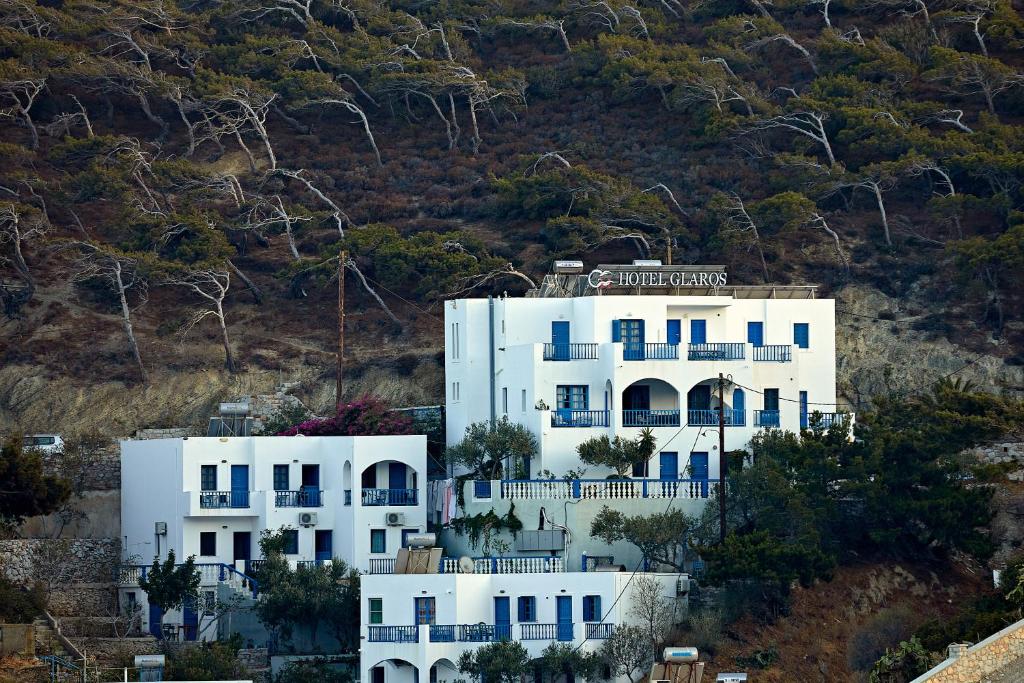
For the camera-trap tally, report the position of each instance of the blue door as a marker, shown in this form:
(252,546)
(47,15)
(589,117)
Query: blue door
(563,607)
(803,410)
(669,465)
(699,470)
(632,334)
(155,614)
(190,619)
(397,484)
(755,333)
(502,619)
(239,486)
(739,408)
(698,331)
(560,339)
(323,541)
(310,496)
(675,332)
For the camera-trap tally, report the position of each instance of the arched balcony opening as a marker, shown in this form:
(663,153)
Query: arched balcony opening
(393,670)
(650,403)
(703,407)
(389,482)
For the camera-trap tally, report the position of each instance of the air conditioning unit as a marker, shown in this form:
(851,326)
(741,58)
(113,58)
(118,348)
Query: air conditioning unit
(307,519)
(394,519)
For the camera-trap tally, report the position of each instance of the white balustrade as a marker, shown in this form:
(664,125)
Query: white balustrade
(606,489)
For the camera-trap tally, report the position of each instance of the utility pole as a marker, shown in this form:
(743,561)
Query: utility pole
(342,259)
(723,461)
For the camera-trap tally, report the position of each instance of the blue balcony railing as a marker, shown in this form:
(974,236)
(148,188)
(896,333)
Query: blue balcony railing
(303,498)
(570,352)
(722,351)
(733,417)
(778,353)
(650,351)
(599,631)
(563,417)
(223,499)
(766,418)
(394,634)
(823,420)
(650,418)
(484,633)
(538,631)
(442,633)
(379,497)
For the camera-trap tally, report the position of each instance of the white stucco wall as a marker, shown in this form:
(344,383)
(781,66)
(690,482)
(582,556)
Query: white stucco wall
(523,326)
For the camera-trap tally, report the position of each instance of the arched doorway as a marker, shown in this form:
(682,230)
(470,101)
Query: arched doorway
(650,403)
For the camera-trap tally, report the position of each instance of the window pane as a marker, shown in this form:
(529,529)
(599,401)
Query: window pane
(208,543)
(376,610)
(378,541)
(208,477)
(291,545)
(280,477)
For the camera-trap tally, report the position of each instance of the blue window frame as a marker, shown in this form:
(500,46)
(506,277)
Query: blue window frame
(591,608)
(208,477)
(281,478)
(771,399)
(803,410)
(378,541)
(527,608)
(291,541)
(802,335)
(573,397)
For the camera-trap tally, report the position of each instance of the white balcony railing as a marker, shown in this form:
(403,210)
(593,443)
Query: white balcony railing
(605,489)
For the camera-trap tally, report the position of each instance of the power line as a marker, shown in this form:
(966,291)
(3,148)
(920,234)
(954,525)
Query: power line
(398,296)
(700,432)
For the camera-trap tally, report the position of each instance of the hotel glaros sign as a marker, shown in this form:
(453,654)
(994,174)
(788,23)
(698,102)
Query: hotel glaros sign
(656,277)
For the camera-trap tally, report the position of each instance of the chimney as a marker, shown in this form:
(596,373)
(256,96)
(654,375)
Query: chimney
(955,650)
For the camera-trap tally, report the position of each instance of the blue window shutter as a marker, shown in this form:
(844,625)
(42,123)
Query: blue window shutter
(616,331)
(640,326)
(801,335)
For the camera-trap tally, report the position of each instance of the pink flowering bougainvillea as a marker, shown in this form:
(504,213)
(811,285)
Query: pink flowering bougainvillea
(367,416)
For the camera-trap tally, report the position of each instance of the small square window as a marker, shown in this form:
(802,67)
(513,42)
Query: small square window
(376,610)
(291,541)
(378,541)
(207,543)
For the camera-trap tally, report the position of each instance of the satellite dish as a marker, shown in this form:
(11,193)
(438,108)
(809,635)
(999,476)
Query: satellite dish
(466,564)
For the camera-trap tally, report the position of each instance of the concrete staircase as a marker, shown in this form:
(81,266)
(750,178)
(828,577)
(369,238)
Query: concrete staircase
(47,641)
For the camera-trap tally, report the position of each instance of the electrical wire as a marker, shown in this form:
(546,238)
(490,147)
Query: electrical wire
(671,501)
(401,298)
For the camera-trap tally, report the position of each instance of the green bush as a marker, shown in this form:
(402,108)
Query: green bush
(20,605)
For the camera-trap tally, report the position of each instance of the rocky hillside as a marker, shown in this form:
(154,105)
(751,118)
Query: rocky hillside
(179,179)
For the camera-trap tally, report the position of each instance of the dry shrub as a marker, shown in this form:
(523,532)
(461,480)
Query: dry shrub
(883,630)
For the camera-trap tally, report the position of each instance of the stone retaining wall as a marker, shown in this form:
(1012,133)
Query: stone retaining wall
(83,600)
(977,663)
(59,560)
(101,471)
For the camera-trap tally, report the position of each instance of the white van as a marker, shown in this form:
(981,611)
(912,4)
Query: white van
(47,443)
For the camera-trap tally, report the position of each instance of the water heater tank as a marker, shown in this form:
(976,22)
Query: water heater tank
(421,540)
(679,655)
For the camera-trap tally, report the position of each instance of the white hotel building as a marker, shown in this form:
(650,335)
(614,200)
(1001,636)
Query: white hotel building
(573,361)
(571,368)
(350,497)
